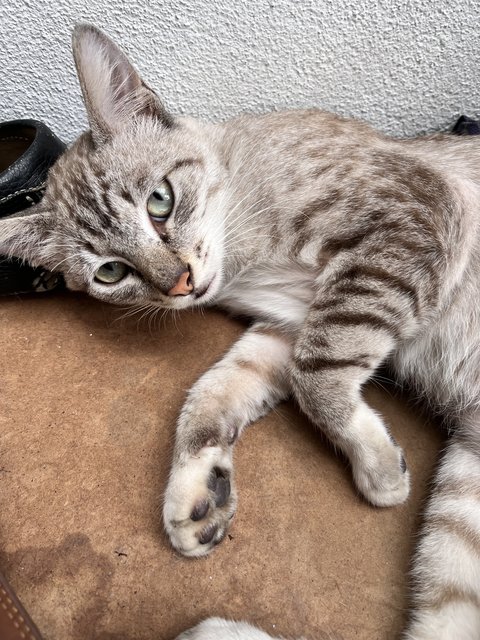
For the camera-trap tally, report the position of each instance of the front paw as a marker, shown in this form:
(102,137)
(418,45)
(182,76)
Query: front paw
(200,501)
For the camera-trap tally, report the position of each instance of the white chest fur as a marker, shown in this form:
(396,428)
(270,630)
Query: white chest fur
(280,292)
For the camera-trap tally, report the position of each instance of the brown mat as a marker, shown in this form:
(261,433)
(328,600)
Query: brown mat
(88,409)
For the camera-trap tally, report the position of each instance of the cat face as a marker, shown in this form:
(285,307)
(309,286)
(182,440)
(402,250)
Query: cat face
(132,211)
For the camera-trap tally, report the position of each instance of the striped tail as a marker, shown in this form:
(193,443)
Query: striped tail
(446,570)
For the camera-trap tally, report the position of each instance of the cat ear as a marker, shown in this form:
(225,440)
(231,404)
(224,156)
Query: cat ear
(21,236)
(113,92)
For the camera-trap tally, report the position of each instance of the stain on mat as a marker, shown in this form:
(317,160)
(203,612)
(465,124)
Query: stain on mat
(55,573)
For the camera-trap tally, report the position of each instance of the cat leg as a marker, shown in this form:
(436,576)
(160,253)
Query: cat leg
(350,330)
(200,499)
(219,629)
(446,567)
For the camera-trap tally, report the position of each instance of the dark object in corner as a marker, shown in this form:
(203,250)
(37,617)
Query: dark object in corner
(466,126)
(27,151)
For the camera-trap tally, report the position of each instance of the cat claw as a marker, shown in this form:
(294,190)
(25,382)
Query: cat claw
(200,501)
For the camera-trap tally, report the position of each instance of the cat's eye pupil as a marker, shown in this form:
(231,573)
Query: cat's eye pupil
(160,202)
(111,272)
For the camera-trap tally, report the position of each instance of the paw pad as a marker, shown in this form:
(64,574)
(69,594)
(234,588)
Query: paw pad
(207,534)
(219,484)
(200,501)
(200,510)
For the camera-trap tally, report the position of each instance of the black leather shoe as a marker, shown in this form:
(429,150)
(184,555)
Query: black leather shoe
(27,151)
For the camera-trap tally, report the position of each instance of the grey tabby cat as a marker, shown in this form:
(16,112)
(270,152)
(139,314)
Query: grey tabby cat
(347,248)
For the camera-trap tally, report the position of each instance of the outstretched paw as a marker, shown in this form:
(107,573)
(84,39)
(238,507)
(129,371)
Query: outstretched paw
(218,629)
(200,501)
(378,465)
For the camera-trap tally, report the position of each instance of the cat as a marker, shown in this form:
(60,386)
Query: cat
(347,249)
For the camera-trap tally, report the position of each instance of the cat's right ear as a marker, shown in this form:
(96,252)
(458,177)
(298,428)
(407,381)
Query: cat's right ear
(113,92)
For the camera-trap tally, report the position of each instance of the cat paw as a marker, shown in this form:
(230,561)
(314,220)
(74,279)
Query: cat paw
(387,482)
(378,465)
(200,501)
(382,476)
(218,629)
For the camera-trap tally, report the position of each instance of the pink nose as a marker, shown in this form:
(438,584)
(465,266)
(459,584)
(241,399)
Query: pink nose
(183,287)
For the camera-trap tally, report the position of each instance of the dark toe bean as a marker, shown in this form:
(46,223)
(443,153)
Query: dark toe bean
(200,510)
(208,533)
(403,464)
(213,479)
(220,485)
(222,492)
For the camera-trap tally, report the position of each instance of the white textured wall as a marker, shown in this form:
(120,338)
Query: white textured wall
(404,65)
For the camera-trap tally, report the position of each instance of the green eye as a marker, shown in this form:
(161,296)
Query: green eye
(111,272)
(160,203)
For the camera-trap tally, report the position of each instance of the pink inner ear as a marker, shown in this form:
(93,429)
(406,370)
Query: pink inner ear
(113,92)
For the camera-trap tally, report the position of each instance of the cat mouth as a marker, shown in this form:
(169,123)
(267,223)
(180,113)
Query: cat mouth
(201,291)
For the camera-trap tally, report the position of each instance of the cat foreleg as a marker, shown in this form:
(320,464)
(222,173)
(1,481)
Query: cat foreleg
(200,499)
(342,342)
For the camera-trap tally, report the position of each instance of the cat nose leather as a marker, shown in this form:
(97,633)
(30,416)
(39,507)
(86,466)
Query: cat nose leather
(183,287)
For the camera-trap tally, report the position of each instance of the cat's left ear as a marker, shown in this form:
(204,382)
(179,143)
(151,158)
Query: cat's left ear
(113,92)
(22,236)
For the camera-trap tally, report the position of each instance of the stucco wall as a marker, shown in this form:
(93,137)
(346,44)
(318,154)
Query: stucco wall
(404,65)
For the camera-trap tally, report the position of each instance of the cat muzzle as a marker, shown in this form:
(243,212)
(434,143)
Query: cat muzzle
(184,285)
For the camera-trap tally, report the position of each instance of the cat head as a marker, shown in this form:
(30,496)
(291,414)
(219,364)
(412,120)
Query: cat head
(131,211)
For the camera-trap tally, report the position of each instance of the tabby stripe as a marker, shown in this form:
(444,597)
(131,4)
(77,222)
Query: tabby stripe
(355,318)
(314,363)
(381,275)
(104,219)
(299,222)
(185,163)
(88,246)
(421,221)
(326,201)
(458,529)
(99,213)
(302,238)
(346,242)
(88,226)
(396,233)
(320,170)
(329,304)
(110,211)
(315,206)
(351,288)
(127,196)
(380,228)
(449,594)
(458,490)
(185,208)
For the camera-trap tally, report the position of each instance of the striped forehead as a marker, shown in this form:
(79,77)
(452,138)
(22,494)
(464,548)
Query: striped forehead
(95,200)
